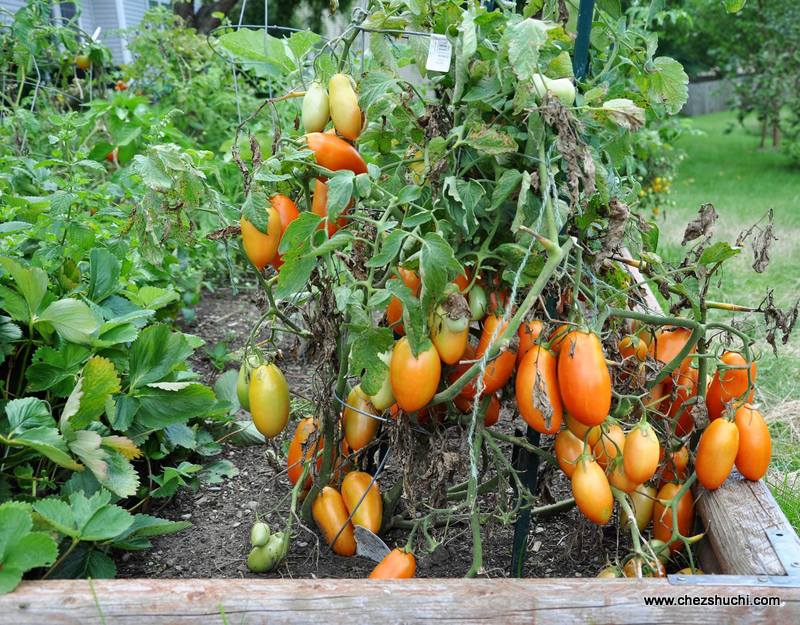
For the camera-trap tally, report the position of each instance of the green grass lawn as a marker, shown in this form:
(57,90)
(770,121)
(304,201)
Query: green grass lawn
(724,166)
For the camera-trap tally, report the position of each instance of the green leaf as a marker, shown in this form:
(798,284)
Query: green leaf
(505,187)
(254,210)
(30,282)
(294,241)
(490,141)
(389,250)
(218,471)
(734,6)
(31,551)
(106,523)
(301,42)
(668,84)
(99,382)
(155,353)
(340,191)
(104,270)
(364,358)
(14,304)
(123,410)
(56,369)
(58,514)
(524,40)
(159,407)
(15,522)
(471,195)
(413,319)
(27,413)
(48,442)
(153,173)
(72,319)
(20,549)
(438,266)
(154,298)
(718,252)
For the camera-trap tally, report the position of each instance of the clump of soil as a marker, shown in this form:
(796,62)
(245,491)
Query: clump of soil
(216,545)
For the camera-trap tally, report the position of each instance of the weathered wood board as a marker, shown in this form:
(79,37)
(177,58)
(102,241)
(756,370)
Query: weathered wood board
(334,602)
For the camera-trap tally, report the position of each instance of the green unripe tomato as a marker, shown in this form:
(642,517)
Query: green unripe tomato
(260,560)
(384,398)
(259,534)
(316,109)
(477,302)
(243,382)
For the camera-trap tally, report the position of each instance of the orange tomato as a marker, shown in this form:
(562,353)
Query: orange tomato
(582,431)
(537,393)
(394,312)
(619,479)
(460,369)
(296,459)
(358,486)
(463,281)
(528,332)
(568,448)
(288,213)
(591,491)
(558,335)
(583,377)
(632,346)
(755,443)
(637,567)
(716,453)
(334,153)
(492,416)
(642,502)
(319,206)
(641,452)
(668,343)
(450,345)
(359,428)
(729,385)
(685,389)
(498,370)
(414,378)
(675,467)
(610,445)
(662,516)
(261,247)
(330,515)
(398,564)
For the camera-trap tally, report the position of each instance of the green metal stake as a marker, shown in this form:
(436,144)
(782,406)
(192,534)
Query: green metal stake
(580,61)
(528,466)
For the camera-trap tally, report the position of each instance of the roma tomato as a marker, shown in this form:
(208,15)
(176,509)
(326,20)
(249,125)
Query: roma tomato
(414,378)
(335,153)
(676,464)
(319,206)
(394,311)
(680,411)
(357,486)
(492,415)
(498,370)
(583,377)
(591,491)
(642,502)
(330,515)
(583,432)
(449,325)
(716,453)
(538,397)
(398,564)
(243,381)
(269,400)
(567,448)
(631,346)
(460,369)
(637,567)
(669,342)
(641,453)
(527,333)
(463,281)
(477,302)
(345,112)
(609,572)
(359,428)
(662,516)
(558,335)
(610,445)
(261,247)
(296,459)
(755,443)
(729,385)
(618,478)
(288,213)
(316,111)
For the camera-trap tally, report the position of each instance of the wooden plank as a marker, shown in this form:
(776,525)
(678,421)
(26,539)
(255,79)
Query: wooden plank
(334,602)
(735,517)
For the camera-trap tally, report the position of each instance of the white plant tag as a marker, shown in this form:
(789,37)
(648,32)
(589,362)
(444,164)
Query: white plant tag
(439,54)
(370,546)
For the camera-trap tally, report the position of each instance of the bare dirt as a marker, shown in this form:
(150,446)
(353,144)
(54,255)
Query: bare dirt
(216,545)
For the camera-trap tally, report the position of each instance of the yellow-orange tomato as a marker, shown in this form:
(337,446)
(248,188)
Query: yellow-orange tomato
(618,478)
(398,564)
(288,213)
(583,377)
(679,411)
(528,332)
(499,369)
(610,445)
(414,379)
(261,247)
(675,466)
(716,453)
(591,491)
(668,344)
(728,386)
(755,443)
(269,400)
(357,486)
(642,502)
(641,453)
(492,416)
(582,431)
(632,346)
(330,515)
(359,427)
(609,572)
(662,516)
(538,397)
(394,312)
(689,571)
(558,335)
(296,459)
(343,104)
(450,344)
(568,448)
(637,567)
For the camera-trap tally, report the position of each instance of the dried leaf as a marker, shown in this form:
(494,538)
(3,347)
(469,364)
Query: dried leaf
(702,226)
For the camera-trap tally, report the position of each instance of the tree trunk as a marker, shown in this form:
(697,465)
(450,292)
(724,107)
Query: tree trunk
(763,133)
(776,133)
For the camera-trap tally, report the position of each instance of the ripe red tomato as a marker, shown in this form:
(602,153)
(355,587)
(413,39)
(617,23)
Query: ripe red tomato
(398,564)
(567,448)
(755,443)
(641,453)
(583,377)
(334,153)
(330,515)
(359,428)
(287,210)
(716,453)
(538,397)
(357,486)
(528,332)
(662,516)
(394,312)
(591,491)
(414,379)
(261,247)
